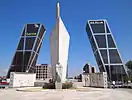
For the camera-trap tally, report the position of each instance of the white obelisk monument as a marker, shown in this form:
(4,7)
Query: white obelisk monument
(59,47)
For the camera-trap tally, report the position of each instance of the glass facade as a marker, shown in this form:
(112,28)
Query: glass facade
(104,56)
(101,41)
(111,43)
(97,26)
(26,55)
(105,50)
(114,56)
(21,44)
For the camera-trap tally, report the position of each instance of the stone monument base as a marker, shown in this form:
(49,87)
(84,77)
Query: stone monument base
(58,85)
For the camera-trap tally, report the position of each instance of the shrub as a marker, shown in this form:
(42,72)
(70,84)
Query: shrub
(49,86)
(67,85)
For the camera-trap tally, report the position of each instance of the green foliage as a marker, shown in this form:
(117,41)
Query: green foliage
(126,78)
(130,78)
(129,64)
(67,85)
(79,78)
(86,68)
(49,86)
(50,81)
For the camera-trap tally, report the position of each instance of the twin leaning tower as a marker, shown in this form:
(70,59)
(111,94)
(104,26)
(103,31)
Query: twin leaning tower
(104,48)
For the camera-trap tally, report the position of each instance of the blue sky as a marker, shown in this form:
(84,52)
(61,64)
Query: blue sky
(15,13)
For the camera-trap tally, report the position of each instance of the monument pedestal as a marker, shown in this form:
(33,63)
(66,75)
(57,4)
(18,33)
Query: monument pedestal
(58,85)
(58,82)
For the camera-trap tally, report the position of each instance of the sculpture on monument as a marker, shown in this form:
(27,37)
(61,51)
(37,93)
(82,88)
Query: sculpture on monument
(58,81)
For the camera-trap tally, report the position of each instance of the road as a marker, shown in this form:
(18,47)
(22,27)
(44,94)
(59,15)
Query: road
(79,94)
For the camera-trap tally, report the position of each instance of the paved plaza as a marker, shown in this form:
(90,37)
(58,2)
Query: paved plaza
(79,94)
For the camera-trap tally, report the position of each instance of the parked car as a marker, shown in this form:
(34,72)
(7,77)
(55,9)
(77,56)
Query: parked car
(4,83)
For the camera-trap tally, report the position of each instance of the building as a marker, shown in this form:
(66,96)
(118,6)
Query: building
(28,48)
(22,79)
(105,50)
(93,70)
(43,71)
(88,68)
(59,46)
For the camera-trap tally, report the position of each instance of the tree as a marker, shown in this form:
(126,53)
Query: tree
(86,68)
(129,64)
(75,77)
(80,78)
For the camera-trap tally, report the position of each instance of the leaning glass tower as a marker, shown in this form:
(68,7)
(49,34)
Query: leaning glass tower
(105,50)
(28,48)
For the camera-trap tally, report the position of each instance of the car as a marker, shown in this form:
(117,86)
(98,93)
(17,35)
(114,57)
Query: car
(4,84)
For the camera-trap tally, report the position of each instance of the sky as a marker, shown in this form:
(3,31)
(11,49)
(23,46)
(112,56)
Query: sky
(74,13)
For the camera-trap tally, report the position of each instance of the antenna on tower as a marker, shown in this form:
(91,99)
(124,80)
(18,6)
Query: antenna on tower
(57,10)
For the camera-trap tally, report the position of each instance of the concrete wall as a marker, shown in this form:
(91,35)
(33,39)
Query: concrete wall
(77,84)
(22,79)
(95,79)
